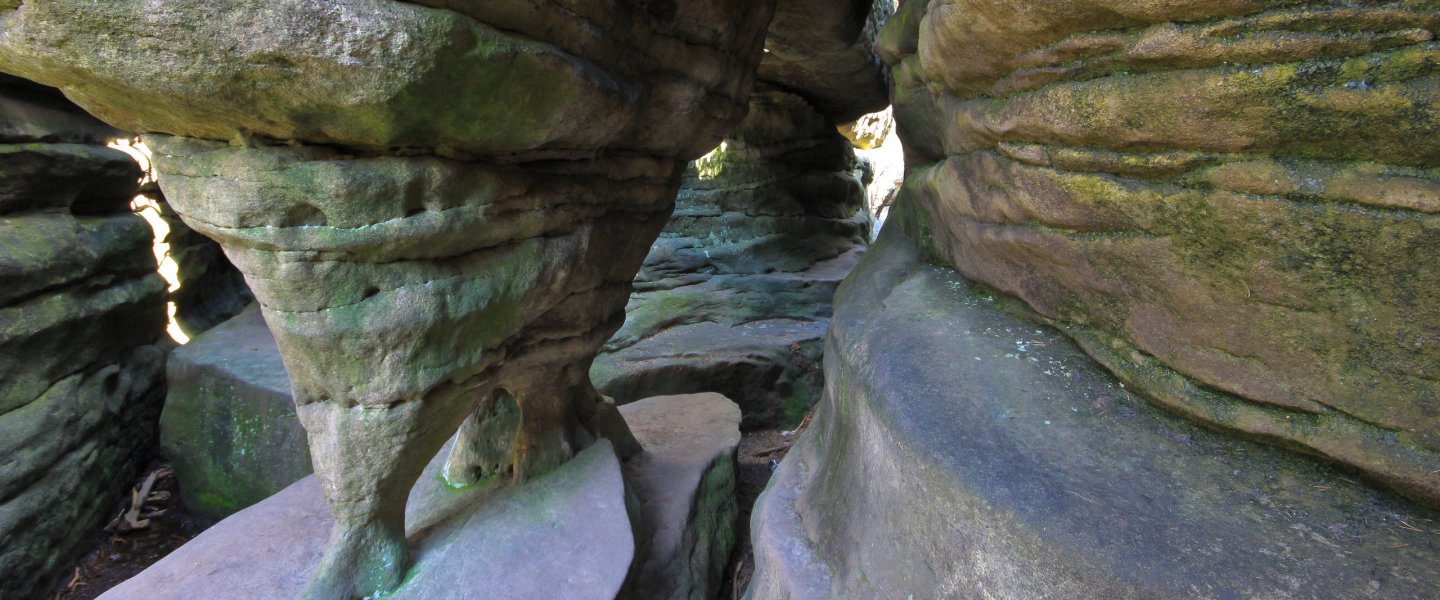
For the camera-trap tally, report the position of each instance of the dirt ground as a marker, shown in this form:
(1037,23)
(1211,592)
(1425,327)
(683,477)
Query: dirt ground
(757,450)
(121,551)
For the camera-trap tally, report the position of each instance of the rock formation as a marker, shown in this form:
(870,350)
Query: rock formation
(229,427)
(1232,205)
(685,482)
(82,319)
(962,452)
(735,295)
(1161,224)
(439,206)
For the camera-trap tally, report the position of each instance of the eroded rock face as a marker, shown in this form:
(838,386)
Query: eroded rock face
(1232,204)
(82,322)
(451,231)
(211,289)
(734,295)
(962,452)
(824,51)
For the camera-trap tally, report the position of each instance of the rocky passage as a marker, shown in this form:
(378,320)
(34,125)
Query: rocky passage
(735,295)
(82,326)
(1153,316)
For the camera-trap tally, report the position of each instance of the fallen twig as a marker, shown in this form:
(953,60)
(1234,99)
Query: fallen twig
(132,517)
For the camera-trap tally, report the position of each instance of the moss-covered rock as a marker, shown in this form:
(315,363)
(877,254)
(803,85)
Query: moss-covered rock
(1243,195)
(229,427)
(82,325)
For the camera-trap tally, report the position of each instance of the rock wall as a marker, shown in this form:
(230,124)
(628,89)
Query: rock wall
(82,330)
(736,294)
(1231,204)
(963,452)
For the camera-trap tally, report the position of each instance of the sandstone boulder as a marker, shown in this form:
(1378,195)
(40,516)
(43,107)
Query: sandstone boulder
(963,452)
(229,427)
(685,484)
(439,205)
(1232,205)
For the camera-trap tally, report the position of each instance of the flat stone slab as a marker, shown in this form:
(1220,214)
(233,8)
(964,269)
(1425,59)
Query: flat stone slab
(961,452)
(566,534)
(771,367)
(229,426)
(685,481)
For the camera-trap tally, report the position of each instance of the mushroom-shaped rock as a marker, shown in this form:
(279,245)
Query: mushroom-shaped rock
(439,205)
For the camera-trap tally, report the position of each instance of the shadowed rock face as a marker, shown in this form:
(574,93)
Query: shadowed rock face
(82,321)
(1231,204)
(824,51)
(962,452)
(451,230)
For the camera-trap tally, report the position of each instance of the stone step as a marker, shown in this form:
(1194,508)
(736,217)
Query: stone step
(960,452)
(566,534)
(229,426)
(685,481)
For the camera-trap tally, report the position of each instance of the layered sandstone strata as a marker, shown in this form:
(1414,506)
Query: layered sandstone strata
(82,334)
(735,296)
(1232,205)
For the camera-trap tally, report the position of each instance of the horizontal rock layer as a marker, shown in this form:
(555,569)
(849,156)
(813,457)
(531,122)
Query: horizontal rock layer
(734,295)
(1233,205)
(962,452)
(516,77)
(82,318)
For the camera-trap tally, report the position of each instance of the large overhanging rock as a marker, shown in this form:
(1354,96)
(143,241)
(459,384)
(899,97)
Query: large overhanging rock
(824,51)
(1232,205)
(494,78)
(450,231)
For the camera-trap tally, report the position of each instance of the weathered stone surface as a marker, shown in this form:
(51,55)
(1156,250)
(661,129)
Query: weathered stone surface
(449,229)
(82,317)
(565,535)
(515,77)
(962,452)
(685,483)
(734,295)
(229,427)
(1232,205)
(824,51)
(773,364)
